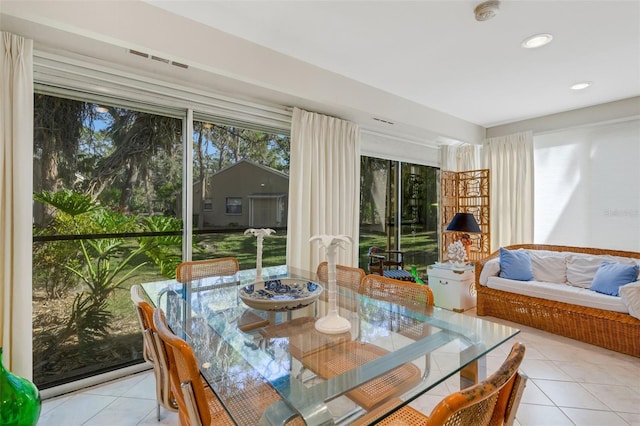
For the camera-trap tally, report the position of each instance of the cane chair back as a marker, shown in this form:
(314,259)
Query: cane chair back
(491,402)
(347,277)
(411,295)
(198,404)
(195,406)
(346,356)
(221,267)
(417,297)
(152,353)
(484,403)
(197,269)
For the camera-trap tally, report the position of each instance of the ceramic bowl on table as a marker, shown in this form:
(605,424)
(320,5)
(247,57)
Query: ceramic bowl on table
(284,294)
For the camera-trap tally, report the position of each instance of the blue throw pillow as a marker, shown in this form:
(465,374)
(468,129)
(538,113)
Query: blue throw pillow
(610,276)
(515,265)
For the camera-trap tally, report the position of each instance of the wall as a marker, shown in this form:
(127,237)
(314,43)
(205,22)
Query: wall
(587,186)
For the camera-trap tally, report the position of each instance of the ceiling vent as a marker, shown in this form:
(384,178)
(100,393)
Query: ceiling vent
(487,10)
(158,58)
(383,121)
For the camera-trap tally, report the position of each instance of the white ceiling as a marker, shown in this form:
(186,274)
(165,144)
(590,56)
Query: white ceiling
(427,69)
(436,54)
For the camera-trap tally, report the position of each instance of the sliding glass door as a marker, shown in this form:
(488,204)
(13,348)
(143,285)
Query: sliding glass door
(399,211)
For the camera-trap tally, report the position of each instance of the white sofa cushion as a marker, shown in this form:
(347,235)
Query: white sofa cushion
(630,295)
(549,266)
(559,293)
(581,268)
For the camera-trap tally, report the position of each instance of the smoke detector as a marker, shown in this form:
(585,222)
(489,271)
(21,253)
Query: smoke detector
(487,10)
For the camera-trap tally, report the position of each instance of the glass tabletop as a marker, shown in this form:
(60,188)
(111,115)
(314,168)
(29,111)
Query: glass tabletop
(289,354)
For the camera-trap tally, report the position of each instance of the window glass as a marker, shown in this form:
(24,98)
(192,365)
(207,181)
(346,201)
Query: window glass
(419,230)
(378,206)
(234,205)
(240,181)
(106,191)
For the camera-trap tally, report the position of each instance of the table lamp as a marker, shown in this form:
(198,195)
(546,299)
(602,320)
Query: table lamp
(465,223)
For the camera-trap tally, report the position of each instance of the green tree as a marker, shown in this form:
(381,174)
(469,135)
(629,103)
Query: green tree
(137,138)
(58,123)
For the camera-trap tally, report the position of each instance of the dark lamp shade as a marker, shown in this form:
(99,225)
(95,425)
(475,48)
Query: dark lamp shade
(464,222)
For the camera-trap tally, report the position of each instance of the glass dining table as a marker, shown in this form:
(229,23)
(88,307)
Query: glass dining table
(289,354)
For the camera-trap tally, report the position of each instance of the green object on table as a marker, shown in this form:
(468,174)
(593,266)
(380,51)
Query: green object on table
(414,272)
(19,399)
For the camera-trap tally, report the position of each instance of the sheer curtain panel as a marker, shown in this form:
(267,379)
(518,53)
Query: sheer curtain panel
(324,187)
(460,158)
(510,163)
(16,183)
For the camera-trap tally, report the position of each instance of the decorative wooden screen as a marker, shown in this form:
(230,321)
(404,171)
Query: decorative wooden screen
(465,192)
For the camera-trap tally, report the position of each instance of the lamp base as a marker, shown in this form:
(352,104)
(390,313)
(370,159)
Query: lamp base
(465,239)
(333,324)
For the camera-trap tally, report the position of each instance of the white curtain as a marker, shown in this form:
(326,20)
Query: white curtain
(510,163)
(324,187)
(16,183)
(459,158)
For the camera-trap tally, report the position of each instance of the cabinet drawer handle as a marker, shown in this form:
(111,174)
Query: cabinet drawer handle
(444,282)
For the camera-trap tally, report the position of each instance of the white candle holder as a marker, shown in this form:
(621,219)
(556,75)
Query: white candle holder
(259,234)
(332,323)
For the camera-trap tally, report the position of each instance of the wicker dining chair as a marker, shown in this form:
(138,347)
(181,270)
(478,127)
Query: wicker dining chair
(152,353)
(417,297)
(198,405)
(346,276)
(346,356)
(411,295)
(194,270)
(341,358)
(491,402)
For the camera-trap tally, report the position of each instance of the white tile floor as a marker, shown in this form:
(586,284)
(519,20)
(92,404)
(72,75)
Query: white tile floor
(570,383)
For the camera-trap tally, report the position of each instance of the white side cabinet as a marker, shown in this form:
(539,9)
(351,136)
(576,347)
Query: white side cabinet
(453,287)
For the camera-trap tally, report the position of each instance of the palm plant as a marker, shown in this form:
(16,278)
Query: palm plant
(105,264)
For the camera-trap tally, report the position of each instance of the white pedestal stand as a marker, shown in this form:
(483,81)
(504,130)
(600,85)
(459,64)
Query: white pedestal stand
(332,323)
(260,234)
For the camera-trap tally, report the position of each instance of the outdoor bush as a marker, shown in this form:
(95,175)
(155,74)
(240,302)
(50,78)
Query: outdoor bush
(100,265)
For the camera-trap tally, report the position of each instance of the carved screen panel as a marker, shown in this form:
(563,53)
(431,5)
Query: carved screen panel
(465,192)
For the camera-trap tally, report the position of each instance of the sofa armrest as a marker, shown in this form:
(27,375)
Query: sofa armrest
(491,268)
(480,265)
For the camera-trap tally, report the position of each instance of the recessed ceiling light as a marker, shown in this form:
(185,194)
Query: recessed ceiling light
(536,40)
(582,85)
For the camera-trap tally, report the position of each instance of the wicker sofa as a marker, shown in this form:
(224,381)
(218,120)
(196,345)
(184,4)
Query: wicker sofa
(612,330)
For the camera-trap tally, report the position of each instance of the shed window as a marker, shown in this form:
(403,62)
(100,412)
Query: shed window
(234,205)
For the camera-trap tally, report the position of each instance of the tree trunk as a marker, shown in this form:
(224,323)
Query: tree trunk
(127,189)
